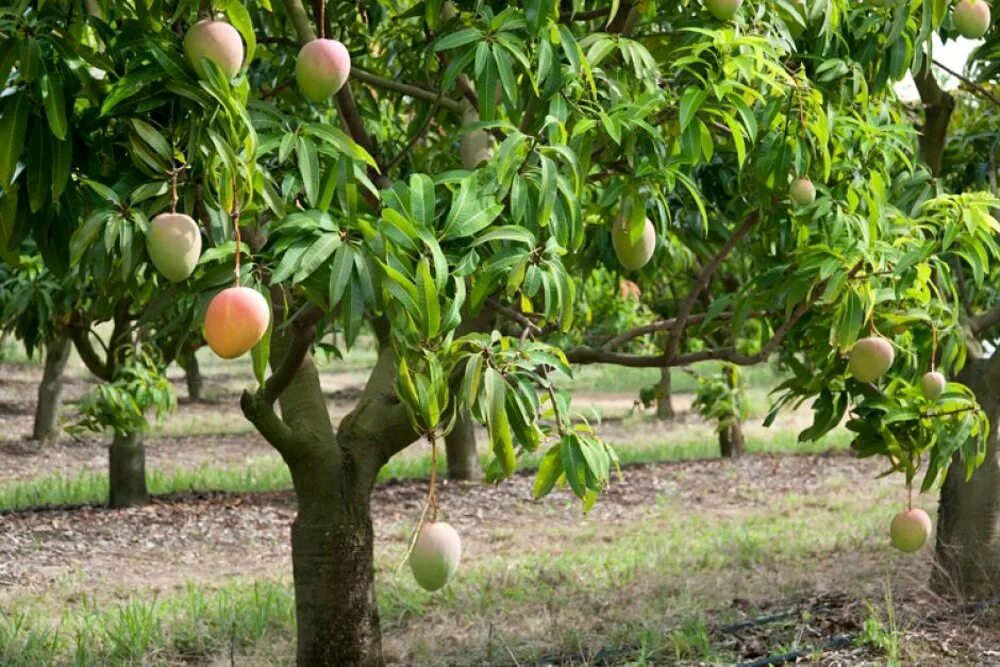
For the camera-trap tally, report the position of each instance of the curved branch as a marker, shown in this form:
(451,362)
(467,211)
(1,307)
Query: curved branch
(702,281)
(304,332)
(969,82)
(408,89)
(983,321)
(81,340)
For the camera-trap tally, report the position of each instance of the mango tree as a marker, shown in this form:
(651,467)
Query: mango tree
(449,175)
(958,142)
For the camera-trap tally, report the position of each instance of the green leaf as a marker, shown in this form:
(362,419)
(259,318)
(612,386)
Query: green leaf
(13,125)
(261,352)
(457,39)
(316,255)
(308,168)
(550,468)
(62,158)
(240,18)
(427,291)
(422,200)
(152,137)
(54,101)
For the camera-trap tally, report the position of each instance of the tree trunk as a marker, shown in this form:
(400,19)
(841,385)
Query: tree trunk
(127,471)
(664,399)
(333,564)
(50,389)
(731,441)
(192,374)
(460,445)
(968,535)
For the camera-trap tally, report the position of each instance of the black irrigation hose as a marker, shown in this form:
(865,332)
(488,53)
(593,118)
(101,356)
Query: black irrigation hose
(840,641)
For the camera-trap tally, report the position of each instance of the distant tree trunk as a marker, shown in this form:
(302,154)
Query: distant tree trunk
(460,444)
(192,374)
(731,441)
(664,398)
(968,534)
(50,389)
(127,470)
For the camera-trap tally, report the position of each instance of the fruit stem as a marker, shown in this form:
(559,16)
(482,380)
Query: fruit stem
(909,496)
(430,503)
(173,190)
(933,348)
(322,19)
(236,232)
(432,491)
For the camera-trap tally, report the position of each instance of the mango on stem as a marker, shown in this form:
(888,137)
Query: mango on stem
(322,68)
(909,530)
(216,41)
(174,245)
(633,255)
(971,18)
(235,321)
(436,555)
(870,358)
(723,9)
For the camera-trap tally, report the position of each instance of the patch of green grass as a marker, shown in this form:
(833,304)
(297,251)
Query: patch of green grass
(181,628)
(269,473)
(607,378)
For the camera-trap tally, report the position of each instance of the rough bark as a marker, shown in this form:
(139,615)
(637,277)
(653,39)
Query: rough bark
(732,444)
(192,375)
(664,398)
(938,107)
(460,445)
(968,534)
(127,471)
(50,389)
(333,566)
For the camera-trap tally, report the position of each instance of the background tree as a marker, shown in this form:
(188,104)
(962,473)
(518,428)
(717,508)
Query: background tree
(36,308)
(721,397)
(959,145)
(604,116)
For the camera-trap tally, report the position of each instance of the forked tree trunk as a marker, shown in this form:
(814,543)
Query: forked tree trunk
(192,374)
(968,534)
(731,441)
(50,389)
(333,475)
(664,398)
(460,445)
(127,471)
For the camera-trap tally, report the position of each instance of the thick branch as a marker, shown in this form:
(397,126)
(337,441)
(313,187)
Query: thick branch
(702,281)
(591,355)
(661,325)
(89,356)
(416,92)
(260,412)
(984,321)
(938,106)
(303,334)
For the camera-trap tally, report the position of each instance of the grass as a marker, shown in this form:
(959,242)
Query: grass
(607,378)
(269,473)
(188,627)
(636,587)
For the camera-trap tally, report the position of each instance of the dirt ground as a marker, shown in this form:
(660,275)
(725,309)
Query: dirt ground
(820,597)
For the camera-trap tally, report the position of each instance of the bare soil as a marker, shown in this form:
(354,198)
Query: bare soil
(54,556)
